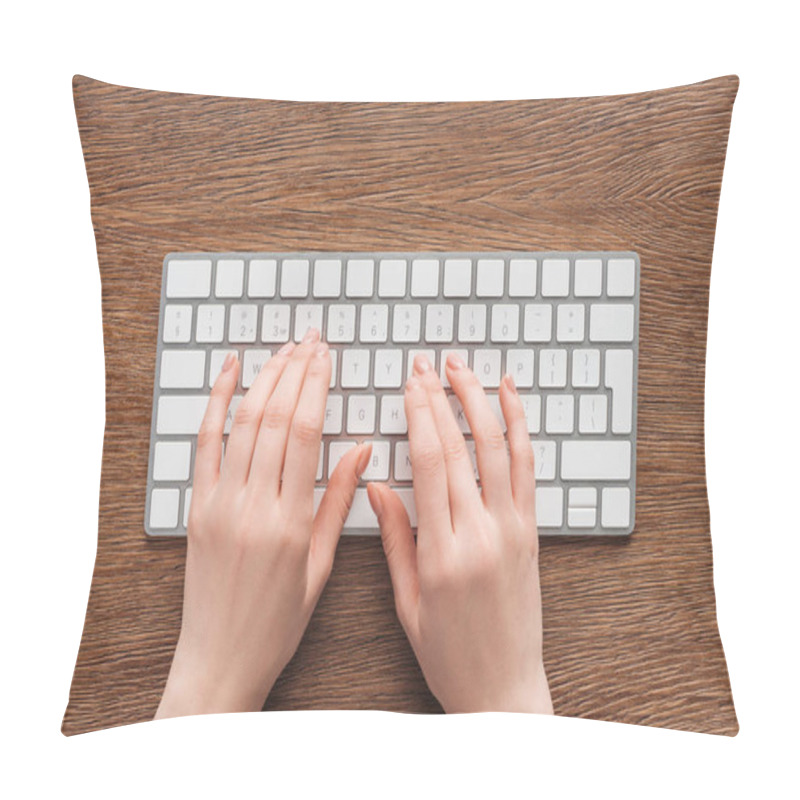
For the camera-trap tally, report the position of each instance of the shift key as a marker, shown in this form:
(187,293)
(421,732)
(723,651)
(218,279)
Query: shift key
(595,461)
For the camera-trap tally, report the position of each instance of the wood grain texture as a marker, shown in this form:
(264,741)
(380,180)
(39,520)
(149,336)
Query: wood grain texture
(630,626)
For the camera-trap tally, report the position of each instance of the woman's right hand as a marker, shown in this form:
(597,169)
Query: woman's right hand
(467,591)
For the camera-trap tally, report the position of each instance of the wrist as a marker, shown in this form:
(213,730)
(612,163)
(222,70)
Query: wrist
(195,687)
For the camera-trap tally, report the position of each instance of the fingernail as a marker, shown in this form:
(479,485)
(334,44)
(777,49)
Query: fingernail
(375,498)
(455,362)
(421,364)
(286,349)
(510,382)
(229,361)
(322,350)
(312,335)
(363,459)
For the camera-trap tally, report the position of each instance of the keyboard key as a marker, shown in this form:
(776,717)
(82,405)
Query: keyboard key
(342,323)
(549,507)
(261,277)
(334,373)
(189,278)
(215,366)
(425,277)
(182,369)
(327,277)
(619,378)
(305,318)
(210,324)
(532,403)
(586,368)
(332,423)
(555,277)
(457,277)
(360,277)
(519,365)
(243,323)
(402,462)
(581,517)
(588,277)
(611,323)
(355,369)
(522,277)
(413,353)
(374,323)
(491,277)
(599,461)
(616,507)
(177,324)
(320,462)
(393,414)
(378,464)
(230,278)
(560,416)
(621,277)
(462,354)
(538,323)
(361,414)
(494,403)
(406,323)
(544,459)
(486,366)
(392,277)
(294,277)
(275,325)
(251,365)
(472,323)
(439,323)
(458,413)
(592,413)
(164,508)
(553,369)
(171,461)
(388,369)
(335,453)
(505,323)
(569,325)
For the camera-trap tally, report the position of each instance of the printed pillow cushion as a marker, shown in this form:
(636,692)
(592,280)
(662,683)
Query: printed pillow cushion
(629,625)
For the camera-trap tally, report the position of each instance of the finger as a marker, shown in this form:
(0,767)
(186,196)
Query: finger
(305,434)
(209,437)
(490,444)
(333,511)
(266,468)
(401,552)
(465,499)
(523,477)
(427,463)
(247,419)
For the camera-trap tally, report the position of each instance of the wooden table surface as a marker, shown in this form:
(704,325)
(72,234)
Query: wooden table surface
(630,630)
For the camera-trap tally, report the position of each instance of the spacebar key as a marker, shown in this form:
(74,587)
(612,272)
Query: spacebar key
(598,461)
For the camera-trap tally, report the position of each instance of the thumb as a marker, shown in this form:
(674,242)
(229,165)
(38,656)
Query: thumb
(400,549)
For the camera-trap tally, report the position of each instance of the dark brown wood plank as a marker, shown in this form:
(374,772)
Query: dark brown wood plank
(630,627)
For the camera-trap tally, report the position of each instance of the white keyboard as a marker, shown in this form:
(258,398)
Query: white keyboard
(565,325)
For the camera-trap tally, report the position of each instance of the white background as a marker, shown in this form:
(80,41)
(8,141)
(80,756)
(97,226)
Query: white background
(53,385)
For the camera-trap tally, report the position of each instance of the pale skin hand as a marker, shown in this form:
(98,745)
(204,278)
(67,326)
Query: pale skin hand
(257,556)
(467,592)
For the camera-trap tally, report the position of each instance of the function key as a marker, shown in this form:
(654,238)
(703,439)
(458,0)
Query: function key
(294,277)
(360,277)
(261,280)
(522,277)
(327,277)
(588,277)
(621,277)
(425,277)
(189,278)
(491,277)
(230,278)
(555,277)
(392,277)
